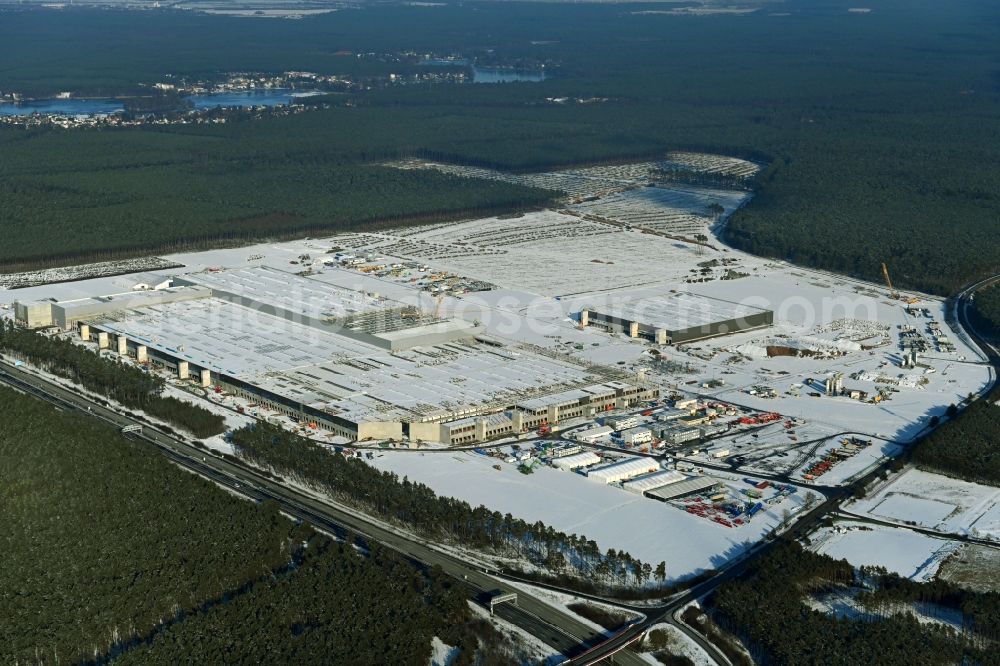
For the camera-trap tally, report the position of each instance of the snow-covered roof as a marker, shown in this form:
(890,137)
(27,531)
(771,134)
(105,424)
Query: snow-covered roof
(654,480)
(629,466)
(675,311)
(576,460)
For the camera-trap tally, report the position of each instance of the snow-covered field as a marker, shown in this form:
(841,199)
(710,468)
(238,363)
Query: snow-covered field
(648,529)
(936,502)
(907,553)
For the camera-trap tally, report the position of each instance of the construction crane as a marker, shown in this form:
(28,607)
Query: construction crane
(893,294)
(437,305)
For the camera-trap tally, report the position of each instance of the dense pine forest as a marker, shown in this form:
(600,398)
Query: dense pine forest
(416,506)
(879,130)
(128,385)
(110,554)
(967,447)
(987,311)
(767,610)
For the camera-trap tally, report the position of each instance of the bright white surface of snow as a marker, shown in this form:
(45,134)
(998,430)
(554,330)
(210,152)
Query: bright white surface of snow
(615,518)
(682,645)
(936,502)
(909,554)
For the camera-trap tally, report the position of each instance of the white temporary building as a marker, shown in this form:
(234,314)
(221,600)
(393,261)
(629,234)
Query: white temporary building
(594,434)
(623,469)
(576,461)
(634,436)
(653,481)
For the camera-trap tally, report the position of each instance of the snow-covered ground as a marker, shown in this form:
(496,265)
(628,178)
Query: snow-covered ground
(936,502)
(843,603)
(615,518)
(442,654)
(907,553)
(679,644)
(975,567)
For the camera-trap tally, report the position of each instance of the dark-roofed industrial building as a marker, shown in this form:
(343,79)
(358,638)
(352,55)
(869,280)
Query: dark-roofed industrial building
(676,318)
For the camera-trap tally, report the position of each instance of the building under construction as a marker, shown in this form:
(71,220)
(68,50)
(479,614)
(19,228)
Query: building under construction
(676,318)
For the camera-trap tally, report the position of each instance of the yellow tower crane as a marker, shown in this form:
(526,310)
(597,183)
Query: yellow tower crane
(892,290)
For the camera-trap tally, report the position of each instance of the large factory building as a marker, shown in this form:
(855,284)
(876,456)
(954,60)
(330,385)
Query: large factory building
(351,363)
(676,318)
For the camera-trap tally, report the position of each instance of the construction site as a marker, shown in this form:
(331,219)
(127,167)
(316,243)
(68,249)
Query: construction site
(612,361)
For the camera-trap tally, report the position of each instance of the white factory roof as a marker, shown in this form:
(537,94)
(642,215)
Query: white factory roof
(338,374)
(654,480)
(627,466)
(130,300)
(576,460)
(287,291)
(675,311)
(634,431)
(436,327)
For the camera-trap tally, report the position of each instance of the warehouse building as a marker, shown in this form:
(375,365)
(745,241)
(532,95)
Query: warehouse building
(623,470)
(576,461)
(653,481)
(676,318)
(692,486)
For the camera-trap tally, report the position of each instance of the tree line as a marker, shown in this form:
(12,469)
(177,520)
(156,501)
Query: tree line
(131,386)
(446,519)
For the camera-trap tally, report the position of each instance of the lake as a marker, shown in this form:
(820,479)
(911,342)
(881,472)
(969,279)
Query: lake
(492,75)
(103,107)
(63,107)
(268,97)
(487,74)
